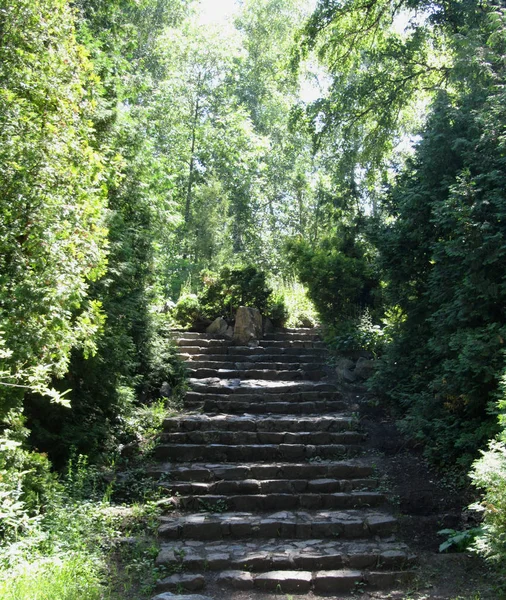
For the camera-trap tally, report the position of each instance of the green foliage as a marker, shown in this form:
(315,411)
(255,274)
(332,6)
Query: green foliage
(459,541)
(338,274)
(187,310)
(52,234)
(232,287)
(361,334)
(299,310)
(488,474)
(73,577)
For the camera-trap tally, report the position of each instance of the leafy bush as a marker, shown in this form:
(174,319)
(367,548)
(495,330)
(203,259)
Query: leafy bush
(489,475)
(358,335)
(299,310)
(338,274)
(187,310)
(225,291)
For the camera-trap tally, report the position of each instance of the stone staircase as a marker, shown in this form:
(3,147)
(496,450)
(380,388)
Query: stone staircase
(269,487)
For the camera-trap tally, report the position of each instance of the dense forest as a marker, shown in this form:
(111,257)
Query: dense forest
(341,164)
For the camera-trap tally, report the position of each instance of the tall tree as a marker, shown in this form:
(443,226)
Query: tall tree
(52,236)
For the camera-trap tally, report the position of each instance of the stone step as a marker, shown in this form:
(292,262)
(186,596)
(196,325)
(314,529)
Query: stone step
(324,581)
(265,555)
(194,335)
(241,365)
(279,361)
(295,343)
(250,452)
(349,524)
(278,501)
(260,396)
(313,336)
(259,387)
(210,342)
(272,423)
(264,374)
(268,486)
(233,472)
(339,581)
(228,349)
(273,406)
(210,436)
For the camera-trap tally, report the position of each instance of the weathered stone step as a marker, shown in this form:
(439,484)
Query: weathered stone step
(229,365)
(350,524)
(279,501)
(205,472)
(249,452)
(313,336)
(272,423)
(294,343)
(210,342)
(324,581)
(269,486)
(280,361)
(264,555)
(265,374)
(210,436)
(254,396)
(259,387)
(272,405)
(228,349)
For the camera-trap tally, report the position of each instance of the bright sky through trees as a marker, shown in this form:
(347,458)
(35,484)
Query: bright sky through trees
(216,11)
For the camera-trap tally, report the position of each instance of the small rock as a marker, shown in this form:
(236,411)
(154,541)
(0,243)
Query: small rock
(170,596)
(219,327)
(240,580)
(336,581)
(344,370)
(364,368)
(286,581)
(268,326)
(190,582)
(165,390)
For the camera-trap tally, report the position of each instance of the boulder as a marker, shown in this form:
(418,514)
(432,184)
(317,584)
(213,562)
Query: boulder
(248,326)
(219,327)
(344,370)
(364,368)
(165,390)
(268,325)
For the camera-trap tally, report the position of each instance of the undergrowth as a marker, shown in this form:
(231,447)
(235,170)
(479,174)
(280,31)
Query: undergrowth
(89,534)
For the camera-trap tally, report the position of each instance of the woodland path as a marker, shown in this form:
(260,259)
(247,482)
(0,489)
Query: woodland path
(272,486)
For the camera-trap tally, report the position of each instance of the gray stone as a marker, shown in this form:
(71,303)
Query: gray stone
(336,581)
(248,326)
(268,326)
(170,596)
(364,368)
(190,582)
(344,370)
(240,580)
(219,327)
(165,390)
(286,581)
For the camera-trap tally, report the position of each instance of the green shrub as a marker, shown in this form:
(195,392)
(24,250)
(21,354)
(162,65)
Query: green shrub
(277,310)
(361,334)
(299,310)
(489,475)
(225,291)
(338,274)
(64,577)
(187,310)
